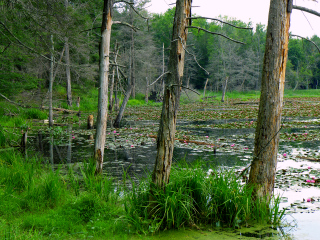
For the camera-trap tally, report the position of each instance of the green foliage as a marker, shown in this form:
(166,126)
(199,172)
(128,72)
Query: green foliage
(13,83)
(33,113)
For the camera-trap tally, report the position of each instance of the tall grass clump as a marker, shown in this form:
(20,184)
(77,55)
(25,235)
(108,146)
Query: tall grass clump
(196,197)
(33,113)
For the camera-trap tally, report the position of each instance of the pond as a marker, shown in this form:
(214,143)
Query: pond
(222,143)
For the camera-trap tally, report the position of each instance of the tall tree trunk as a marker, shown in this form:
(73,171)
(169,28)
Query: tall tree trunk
(104,53)
(146,97)
(205,87)
(173,83)
(132,72)
(51,82)
(111,102)
(67,60)
(163,84)
(224,89)
(263,167)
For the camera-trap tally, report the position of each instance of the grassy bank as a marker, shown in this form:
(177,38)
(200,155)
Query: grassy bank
(38,202)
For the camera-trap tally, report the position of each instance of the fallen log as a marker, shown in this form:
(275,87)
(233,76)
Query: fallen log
(60,110)
(309,158)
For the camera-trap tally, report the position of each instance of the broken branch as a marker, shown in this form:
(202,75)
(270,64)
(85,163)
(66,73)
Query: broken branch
(306,10)
(199,28)
(216,19)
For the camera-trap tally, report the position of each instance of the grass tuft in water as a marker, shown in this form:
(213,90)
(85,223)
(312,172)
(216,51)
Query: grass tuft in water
(194,197)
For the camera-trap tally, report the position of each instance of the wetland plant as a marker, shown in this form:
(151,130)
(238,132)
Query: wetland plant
(194,197)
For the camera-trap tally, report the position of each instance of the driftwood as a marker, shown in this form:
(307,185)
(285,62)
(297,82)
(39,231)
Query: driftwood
(190,141)
(309,158)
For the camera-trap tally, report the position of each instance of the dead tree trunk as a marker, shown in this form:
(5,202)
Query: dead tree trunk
(67,59)
(111,101)
(104,53)
(132,76)
(173,84)
(123,105)
(224,89)
(204,90)
(263,167)
(146,97)
(51,83)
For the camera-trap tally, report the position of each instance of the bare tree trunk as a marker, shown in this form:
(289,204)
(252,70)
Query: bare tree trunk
(146,97)
(51,83)
(123,106)
(111,102)
(263,167)
(133,80)
(173,83)
(204,90)
(67,60)
(104,52)
(163,84)
(224,89)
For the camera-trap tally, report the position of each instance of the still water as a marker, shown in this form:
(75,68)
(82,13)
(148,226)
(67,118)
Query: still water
(234,150)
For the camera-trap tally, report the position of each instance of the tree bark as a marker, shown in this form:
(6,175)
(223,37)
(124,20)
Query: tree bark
(173,83)
(146,97)
(104,53)
(111,102)
(133,80)
(263,167)
(205,87)
(123,105)
(51,83)
(224,89)
(67,60)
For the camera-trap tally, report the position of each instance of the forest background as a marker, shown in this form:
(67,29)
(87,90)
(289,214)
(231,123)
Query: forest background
(26,28)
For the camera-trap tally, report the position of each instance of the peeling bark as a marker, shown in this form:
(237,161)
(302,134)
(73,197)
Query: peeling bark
(104,52)
(173,83)
(263,167)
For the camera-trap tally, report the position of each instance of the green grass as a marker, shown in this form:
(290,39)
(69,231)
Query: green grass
(194,197)
(38,202)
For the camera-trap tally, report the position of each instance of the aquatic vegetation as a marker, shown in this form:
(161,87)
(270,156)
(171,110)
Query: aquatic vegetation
(195,197)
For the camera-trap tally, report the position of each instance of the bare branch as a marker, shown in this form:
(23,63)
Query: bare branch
(293,35)
(216,19)
(87,30)
(199,28)
(127,24)
(194,57)
(158,78)
(133,8)
(29,48)
(117,65)
(306,10)
(192,90)
(6,48)
(10,101)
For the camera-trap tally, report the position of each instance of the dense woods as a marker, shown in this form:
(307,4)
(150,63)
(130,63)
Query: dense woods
(25,45)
